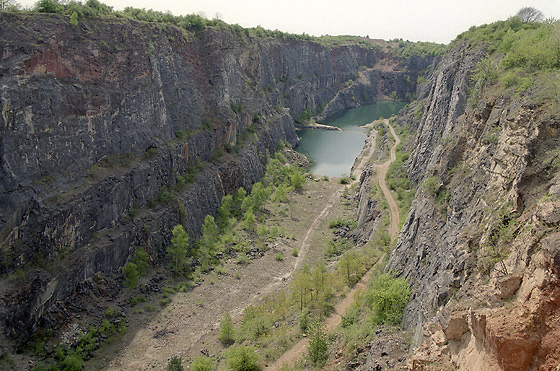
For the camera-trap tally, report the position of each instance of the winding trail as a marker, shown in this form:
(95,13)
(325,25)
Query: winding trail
(297,351)
(381,170)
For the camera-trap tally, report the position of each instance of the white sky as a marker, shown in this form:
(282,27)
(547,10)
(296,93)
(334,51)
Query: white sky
(414,20)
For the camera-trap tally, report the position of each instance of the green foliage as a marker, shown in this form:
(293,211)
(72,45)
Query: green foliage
(304,116)
(178,252)
(295,252)
(242,358)
(48,6)
(255,322)
(202,363)
(207,244)
(175,364)
(342,223)
(304,320)
(297,180)
(318,345)
(150,152)
(142,261)
(486,71)
(279,256)
(131,275)
(524,51)
(431,185)
(236,107)
(73,362)
(387,297)
(74,19)
(336,248)
(227,331)
(407,49)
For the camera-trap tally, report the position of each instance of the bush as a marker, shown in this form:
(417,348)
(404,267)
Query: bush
(175,364)
(227,332)
(387,297)
(73,362)
(242,358)
(318,346)
(202,363)
(255,323)
(131,275)
(304,320)
(49,6)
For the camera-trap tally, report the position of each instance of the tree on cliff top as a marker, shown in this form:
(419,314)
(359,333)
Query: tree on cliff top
(5,4)
(530,14)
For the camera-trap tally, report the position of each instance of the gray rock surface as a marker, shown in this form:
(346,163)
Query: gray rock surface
(99,119)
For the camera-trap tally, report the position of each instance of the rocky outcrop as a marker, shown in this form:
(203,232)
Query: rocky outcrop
(112,131)
(473,239)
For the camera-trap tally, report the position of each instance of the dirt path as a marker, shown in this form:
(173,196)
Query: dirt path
(381,170)
(296,352)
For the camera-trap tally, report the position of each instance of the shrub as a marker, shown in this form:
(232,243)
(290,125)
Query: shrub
(295,252)
(227,332)
(318,346)
(242,358)
(175,364)
(255,323)
(178,252)
(131,275)
(73,362)
(304,320)
(49,6)
(202,363)
(141,259)
(279,256)
(387,297)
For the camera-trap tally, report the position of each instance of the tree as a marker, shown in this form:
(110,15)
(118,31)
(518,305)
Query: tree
(318,345)
(5,4)
(178,252)
(175,364)
(243,358)
(74,19)
(49,6)
(224,212)
(207,245)
(529,14)
(131,275)
(227,332)
(387,297)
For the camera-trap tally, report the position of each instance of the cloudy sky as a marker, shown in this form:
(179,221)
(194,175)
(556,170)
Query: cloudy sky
(415,20)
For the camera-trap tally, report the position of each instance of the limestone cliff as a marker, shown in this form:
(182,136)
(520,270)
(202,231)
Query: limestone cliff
(480,244)
(102,121)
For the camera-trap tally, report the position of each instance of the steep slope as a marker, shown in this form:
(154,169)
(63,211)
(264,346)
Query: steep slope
(113,131)
(480,244)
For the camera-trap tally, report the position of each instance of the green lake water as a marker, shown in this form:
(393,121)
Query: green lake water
(333,152)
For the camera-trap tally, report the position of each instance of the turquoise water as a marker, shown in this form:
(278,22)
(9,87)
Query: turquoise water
(333,152)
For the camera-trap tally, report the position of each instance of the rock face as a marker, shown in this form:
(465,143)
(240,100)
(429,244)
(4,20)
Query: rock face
(100,119)
(484,279)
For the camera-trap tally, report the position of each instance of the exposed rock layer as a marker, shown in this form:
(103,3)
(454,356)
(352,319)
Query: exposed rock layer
(484,279)
(99,119)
